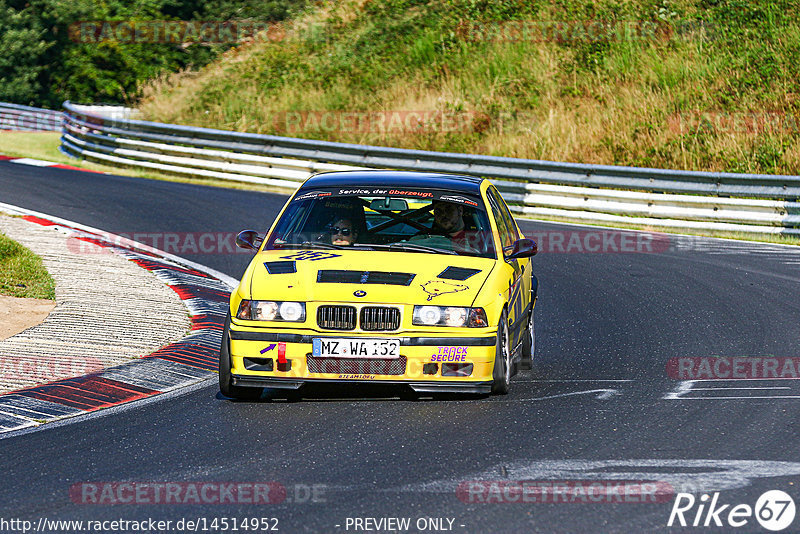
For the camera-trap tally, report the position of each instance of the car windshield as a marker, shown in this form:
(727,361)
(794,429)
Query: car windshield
(433,222)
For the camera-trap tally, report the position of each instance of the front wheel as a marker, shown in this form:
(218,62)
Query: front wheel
(501,374)
(225,378)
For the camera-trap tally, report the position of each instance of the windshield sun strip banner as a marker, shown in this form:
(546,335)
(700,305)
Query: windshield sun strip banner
(424,194)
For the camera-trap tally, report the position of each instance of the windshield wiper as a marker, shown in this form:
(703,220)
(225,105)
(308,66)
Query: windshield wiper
(414,248)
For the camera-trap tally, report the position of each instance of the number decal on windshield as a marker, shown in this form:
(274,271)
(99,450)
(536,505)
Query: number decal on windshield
(311,255)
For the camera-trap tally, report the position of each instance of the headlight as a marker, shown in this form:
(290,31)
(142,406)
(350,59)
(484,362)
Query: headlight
(427,315)
(267,310)
(449,316)
(263,310)
(455,316)
(292,311)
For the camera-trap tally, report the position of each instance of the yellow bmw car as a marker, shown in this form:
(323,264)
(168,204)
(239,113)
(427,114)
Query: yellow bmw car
(422,280)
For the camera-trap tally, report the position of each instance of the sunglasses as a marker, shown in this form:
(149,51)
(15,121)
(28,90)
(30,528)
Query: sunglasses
(341,231)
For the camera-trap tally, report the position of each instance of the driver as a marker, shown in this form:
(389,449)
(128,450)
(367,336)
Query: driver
(343,232)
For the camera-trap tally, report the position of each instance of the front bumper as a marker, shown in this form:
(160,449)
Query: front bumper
(452,363)
(419,387)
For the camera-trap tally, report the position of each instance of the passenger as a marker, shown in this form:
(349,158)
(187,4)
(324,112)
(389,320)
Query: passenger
(343,232)
(448,220)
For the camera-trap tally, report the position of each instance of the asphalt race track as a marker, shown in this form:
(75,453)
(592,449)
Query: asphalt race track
(598,406)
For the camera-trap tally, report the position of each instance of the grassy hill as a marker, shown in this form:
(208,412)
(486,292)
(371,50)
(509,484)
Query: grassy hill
(689,84)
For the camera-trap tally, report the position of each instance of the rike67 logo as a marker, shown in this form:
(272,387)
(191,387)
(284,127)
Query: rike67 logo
(774,510)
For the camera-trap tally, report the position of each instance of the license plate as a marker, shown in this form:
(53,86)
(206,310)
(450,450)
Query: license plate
(355,348)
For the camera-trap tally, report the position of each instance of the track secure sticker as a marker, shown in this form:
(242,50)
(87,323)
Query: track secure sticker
(435,288)
(450,354)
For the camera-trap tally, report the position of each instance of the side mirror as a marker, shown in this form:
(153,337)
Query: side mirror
(249,239)
(523,248)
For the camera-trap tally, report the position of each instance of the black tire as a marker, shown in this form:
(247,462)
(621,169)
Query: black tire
(225,380)
(501,374)
(528,346)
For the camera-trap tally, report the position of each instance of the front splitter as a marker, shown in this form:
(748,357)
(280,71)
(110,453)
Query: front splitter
(420,387)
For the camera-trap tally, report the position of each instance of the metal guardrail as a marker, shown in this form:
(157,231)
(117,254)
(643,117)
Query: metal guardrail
(764,204)
(26,118)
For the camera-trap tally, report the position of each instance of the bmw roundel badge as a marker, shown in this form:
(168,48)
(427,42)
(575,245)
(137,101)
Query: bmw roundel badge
(359,293)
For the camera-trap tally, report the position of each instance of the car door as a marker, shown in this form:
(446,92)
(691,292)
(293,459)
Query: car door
(518,269)
(526,264)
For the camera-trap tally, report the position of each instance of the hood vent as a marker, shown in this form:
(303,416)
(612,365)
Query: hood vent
(280,267)
(458,273)
(365,277)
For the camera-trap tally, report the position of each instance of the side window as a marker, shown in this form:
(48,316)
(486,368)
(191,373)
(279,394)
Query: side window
(289,227)
(502,227)
(509,220)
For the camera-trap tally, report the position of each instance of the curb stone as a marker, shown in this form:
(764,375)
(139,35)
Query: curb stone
(192,359)
(108,311)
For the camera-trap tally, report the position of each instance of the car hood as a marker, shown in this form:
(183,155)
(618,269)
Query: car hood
(342,276)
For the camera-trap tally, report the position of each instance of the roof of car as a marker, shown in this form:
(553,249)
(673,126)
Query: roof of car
(449,182)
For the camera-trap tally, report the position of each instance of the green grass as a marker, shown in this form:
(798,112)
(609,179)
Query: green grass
(629,100)
(22,273)
(40,145)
